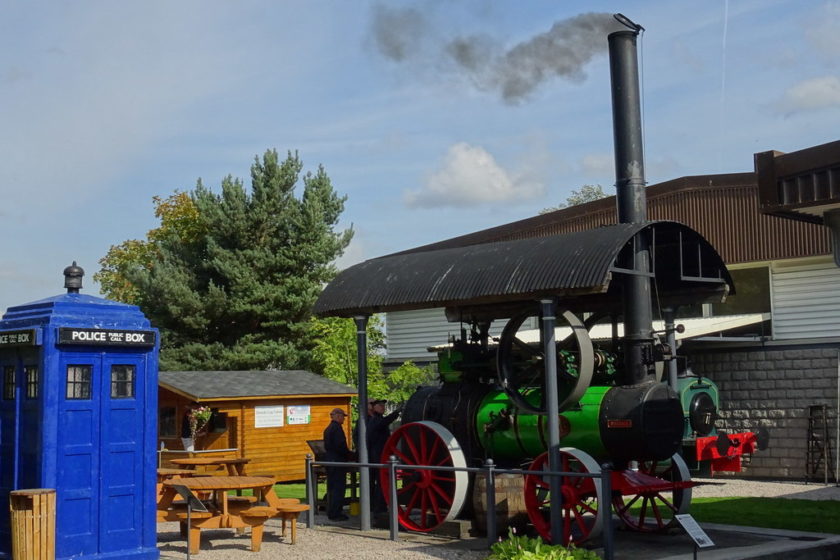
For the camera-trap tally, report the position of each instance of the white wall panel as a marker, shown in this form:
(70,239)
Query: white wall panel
(410,333)
(806,301)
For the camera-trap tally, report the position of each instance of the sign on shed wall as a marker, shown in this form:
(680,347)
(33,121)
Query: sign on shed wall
(268,416)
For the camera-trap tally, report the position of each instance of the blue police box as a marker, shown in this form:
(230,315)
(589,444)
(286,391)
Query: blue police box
(78,413)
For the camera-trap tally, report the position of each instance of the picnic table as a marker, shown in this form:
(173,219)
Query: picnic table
(235,466)
(164,473)
(228,512)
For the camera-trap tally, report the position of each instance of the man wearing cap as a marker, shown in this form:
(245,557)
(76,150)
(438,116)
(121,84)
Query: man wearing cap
(377,433)
(335,445)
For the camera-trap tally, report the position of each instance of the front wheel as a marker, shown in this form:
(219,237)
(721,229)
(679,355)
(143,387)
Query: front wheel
(582,515)
(426,498)
(646,499)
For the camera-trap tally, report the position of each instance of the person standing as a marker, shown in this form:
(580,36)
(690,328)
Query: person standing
(335,445)
(378,431)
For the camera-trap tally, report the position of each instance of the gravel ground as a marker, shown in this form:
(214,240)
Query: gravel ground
(324,542)
(722,487)
(330,541)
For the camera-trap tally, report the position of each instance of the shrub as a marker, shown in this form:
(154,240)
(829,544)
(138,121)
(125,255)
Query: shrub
(522,547)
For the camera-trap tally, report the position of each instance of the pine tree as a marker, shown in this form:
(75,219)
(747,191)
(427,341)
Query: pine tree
(235,289)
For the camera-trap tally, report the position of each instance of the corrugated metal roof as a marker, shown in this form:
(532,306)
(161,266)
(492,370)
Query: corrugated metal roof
(568,265)
(201,385)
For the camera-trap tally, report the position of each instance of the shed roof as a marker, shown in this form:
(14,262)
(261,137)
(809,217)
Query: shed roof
(205,385)
(494,280)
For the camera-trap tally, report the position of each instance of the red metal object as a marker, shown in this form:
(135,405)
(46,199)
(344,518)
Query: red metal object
(648,498)
(728,460)
(425,497)
(581,497)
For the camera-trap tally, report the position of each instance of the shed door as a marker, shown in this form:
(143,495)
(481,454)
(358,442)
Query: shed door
(100,453)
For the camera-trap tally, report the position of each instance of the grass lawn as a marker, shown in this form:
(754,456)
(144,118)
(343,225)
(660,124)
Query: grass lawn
(776,513)
(295,490)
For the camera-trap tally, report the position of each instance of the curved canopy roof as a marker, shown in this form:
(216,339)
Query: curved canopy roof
(495,280)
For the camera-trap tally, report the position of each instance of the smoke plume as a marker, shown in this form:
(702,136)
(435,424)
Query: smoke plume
(514,72)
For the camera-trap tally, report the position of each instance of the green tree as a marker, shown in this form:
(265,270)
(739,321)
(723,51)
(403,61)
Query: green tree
(335,356)
(587,193)
(230,278)
(335,353)
(178,221)
(399,384)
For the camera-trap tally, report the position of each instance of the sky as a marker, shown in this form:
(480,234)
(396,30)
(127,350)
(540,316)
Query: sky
(435,118)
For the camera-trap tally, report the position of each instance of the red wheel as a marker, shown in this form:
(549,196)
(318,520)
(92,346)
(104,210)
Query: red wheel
(425,498)
(582,517)
(647,499)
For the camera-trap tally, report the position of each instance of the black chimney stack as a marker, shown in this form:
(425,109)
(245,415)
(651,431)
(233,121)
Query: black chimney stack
(631,201)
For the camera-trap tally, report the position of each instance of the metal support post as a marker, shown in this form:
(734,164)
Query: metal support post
(311,492)
(606,492)
(189,527)
(364,474)
(553,411)
(393,524)
(671,338)
(491,502)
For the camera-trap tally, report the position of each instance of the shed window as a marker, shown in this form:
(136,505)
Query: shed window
(218,421)
(122,381)
(166,421)
(32,378)
(78,382)
(9,383)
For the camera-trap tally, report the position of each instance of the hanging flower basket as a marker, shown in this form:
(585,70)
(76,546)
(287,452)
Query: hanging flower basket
(199,417)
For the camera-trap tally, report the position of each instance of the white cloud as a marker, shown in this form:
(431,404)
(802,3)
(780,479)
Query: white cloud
(811,95)
(470,175)
(599,165)
(822,31)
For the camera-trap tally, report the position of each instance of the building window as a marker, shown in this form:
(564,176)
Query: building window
(9,383)
(166,421)
(122,381)
(218,422)
(31,376)
(78,382)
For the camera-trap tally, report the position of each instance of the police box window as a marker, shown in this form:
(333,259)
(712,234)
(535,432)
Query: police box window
(78,382)
(122,382)
(9,383)
(30,374)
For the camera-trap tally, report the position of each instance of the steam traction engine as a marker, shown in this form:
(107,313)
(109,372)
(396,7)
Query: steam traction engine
(491,404)
(556,403)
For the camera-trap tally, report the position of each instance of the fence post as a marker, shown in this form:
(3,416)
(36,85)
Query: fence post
(311,493)
(492,529)
(606,503)
(392,511)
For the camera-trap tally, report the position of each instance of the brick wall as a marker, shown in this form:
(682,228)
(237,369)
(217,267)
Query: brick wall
(773,386)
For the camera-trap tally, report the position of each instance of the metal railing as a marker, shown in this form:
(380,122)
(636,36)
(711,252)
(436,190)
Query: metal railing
(489,469)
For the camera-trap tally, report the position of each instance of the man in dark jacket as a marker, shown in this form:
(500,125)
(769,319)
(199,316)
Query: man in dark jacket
(378,431)
(335,445)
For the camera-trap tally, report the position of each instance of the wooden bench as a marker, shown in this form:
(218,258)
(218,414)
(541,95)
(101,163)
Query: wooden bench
(290,512)
(256,517)
(192,533)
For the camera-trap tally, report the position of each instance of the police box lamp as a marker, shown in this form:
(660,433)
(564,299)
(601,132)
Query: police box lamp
(73,278)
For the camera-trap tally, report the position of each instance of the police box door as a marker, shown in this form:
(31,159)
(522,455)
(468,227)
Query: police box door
(100,452)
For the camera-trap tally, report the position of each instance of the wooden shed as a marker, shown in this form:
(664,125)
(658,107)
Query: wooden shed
(264,416)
